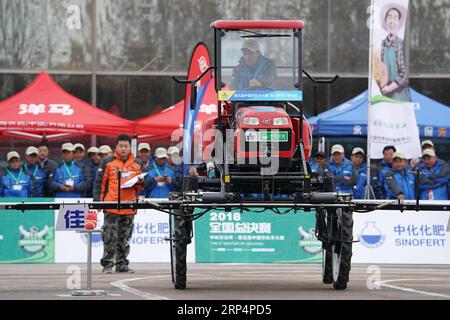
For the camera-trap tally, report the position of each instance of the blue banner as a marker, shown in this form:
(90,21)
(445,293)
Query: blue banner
(229,95)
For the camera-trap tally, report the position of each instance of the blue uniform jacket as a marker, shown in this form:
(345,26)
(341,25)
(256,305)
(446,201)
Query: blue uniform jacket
(264,72)
(158,190)
(341,171)
(17,183)
(75,171)
(400,182)
(435,179)
(40,175)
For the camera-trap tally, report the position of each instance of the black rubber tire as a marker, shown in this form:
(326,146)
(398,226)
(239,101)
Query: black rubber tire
(327,266)
(178,247)
(178,252)
(342,250)
(322,222)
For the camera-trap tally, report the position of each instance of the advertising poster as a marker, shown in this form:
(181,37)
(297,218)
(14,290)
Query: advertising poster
(147,243)
(257,237)
(402,238)
(27,237)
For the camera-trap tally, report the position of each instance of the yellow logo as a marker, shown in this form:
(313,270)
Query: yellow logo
(225,95)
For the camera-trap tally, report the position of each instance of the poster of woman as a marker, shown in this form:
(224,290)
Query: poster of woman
(391,116)
(388,57)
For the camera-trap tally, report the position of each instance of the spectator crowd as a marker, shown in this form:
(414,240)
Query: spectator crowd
(394,177)
(35,174)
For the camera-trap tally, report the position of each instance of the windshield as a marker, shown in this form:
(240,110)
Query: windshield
(260,61)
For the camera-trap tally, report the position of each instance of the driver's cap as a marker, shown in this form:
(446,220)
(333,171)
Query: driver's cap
(250,44)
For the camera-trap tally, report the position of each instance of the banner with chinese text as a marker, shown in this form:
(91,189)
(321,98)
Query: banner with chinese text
(402,237)
(254,236)
(391,114)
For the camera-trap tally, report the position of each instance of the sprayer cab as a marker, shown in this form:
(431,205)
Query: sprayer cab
(259,86)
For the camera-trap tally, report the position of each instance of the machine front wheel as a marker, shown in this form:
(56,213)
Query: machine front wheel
(327,266)
(178,251)
(178,248)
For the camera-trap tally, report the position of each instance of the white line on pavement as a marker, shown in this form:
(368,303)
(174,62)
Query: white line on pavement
(410,290)
(145,295)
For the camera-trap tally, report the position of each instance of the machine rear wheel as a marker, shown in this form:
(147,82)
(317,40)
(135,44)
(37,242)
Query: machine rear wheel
(341,249)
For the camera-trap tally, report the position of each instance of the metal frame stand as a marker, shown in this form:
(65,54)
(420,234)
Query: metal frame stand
(369,194)
(89,291)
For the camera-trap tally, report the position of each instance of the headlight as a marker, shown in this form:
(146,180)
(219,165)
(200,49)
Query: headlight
(280,121)
(251,121)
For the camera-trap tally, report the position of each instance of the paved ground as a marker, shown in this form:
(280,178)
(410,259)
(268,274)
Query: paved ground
(229,281)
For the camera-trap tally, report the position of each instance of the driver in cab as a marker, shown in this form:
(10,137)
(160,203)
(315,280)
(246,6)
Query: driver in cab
(254,70)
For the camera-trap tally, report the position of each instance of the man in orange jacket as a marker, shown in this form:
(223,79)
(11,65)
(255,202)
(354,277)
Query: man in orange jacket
(118,224)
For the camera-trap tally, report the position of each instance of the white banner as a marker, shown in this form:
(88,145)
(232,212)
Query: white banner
(402,238)
(393,124)
(389,122)
(147,242)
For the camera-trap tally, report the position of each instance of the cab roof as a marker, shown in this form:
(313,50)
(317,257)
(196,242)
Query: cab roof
(257,24)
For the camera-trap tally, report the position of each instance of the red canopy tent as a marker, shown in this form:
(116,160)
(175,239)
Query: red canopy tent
(160,126)
(45,110)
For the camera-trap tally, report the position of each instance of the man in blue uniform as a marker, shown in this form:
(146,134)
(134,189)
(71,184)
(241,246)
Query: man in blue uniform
(15,181)
(433,177)
(31,165)
(254,69)
(71,179)
(174,161)
(159,180)
(318,163)
(144,157)
(400,181)
(342,170)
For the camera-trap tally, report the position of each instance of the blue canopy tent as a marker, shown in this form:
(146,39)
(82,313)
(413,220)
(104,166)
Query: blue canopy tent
(350,118)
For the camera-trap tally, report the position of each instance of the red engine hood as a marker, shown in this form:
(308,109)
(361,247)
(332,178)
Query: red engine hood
(265,115)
